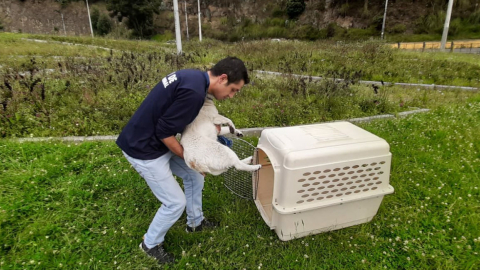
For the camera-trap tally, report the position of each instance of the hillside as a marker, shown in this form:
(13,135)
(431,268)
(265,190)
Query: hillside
(252,19)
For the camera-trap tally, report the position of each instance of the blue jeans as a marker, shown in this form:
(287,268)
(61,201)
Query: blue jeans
(158,175)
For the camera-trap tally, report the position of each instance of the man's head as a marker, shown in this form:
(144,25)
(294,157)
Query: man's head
(227,77)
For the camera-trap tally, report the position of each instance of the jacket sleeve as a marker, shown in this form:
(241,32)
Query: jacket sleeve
(181,112)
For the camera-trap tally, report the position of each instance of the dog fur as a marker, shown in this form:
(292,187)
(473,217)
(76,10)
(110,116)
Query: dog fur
(202,151)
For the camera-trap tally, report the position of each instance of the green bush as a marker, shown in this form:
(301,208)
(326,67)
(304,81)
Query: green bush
(398,29)
(104,25)
(295,8)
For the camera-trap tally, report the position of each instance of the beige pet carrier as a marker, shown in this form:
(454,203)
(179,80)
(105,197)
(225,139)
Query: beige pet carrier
(318,178)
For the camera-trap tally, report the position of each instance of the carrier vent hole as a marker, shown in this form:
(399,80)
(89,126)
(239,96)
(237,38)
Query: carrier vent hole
(354,177)
(345,178)
(363,175)
(357,191)
(362,185)
(346,168)
(305,185)
(309,200)
(325,192)
(327,171)
(373,188)
(382,162)
(322,187)
(379,182)
(301,191)
(336,169)
(371,174)
(373,164)
(299,202)
(368,179)
(301,180)
(359,171)
(332,175)
(326,182)
(316,183)
(369,169)
(370,184)
(320,198)
(343,189)
(353,187)
(351,172)
(376,178)
(312,178)
(315,194)
(348,193)
(311,189)
(334,190)
(341,174)
(317,172)
(330,196)
(349,183)
(355,166)
(336,180)
(330,186)
(364,165)
(341,184)
(365,190)
(377,168)
(304,196)
(380,172)
(358,181)
(322,177)
(306,174)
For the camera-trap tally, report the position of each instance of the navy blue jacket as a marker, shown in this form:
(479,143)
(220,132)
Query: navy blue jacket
(171,105)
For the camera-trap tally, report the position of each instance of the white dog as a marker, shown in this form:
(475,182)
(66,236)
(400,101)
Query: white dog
(202,151)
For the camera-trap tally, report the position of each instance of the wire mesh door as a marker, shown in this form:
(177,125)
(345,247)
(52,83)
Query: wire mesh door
(240,182)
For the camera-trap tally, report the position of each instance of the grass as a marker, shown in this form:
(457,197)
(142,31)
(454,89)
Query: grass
(89,91)
(81,206)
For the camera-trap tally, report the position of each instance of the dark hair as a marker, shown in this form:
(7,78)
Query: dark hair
(233,67)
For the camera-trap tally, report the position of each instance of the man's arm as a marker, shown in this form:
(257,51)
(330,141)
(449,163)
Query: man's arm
(174,146)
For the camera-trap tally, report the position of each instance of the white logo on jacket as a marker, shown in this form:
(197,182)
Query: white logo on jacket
(202,151)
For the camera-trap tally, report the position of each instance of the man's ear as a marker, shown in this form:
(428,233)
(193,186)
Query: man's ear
(223,78)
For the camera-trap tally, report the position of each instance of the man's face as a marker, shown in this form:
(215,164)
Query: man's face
(225,90)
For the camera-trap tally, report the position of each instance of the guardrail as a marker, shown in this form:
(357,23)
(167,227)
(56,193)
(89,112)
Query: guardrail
(431,45)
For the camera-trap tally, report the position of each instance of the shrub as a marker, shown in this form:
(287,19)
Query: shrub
(104,25)
(398,29)
(295,8)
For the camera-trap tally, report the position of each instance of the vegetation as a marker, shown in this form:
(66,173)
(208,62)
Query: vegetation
(81,206)
(93,91)
(139,14)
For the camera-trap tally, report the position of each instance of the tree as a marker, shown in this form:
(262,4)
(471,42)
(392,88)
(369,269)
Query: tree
(295,8)
(139,14)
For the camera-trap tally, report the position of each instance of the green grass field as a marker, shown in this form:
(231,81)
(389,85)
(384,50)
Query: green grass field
(81,206)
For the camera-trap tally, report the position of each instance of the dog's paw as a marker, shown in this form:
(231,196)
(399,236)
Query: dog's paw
(238,133)
(258,167)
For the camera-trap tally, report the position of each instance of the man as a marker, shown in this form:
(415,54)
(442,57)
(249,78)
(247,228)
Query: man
(149,144)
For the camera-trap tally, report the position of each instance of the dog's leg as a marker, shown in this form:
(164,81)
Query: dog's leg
(245,167)
(247,160)
(222,120)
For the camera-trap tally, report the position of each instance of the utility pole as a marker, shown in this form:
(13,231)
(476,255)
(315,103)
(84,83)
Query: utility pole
(384,17)
(447,24)
(178,37)
(89,19)
(186,18)
(199,22)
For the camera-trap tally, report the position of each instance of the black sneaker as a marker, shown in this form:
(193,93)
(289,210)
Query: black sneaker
(158,253)
(205,224)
